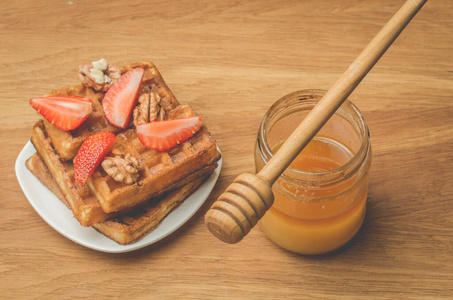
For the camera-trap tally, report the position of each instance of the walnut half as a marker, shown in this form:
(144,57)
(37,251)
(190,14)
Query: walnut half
(122,168)
(148,109)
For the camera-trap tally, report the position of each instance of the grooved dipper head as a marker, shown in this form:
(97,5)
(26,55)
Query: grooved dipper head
(239,208)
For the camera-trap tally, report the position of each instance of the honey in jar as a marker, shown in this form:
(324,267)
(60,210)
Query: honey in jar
(320,200)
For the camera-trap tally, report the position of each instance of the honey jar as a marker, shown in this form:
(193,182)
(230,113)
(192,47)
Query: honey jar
(320,199)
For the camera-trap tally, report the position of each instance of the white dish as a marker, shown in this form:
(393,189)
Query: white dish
(57,215)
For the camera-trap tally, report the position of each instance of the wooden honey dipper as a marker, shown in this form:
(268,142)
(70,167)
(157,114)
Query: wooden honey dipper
(246,200)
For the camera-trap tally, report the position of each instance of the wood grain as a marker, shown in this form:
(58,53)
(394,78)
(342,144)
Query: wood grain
(231,60)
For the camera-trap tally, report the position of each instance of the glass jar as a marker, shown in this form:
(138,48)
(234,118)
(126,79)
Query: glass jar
(320,199)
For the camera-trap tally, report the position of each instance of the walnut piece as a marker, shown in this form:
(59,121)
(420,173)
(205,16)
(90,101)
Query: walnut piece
(122,168)
(99,75)
(148,109)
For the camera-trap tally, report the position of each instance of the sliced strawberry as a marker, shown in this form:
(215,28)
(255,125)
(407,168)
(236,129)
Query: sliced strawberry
(64,112)
(91,153)
(120,99)
(164,135)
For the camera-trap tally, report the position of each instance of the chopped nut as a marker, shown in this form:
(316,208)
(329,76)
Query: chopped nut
(148,109)
(100,64)
(154,106)
(122,168)
(99,75)
(161,115)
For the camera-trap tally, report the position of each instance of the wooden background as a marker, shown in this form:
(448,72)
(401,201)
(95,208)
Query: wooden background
(231,60)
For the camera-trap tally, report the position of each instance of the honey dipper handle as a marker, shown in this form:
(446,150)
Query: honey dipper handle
(338,93)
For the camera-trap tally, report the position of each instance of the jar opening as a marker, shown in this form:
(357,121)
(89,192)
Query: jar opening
(347,128)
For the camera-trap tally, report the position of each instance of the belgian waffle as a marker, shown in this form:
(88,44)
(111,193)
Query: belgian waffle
(67,143)
(123,212)
(160,169)
(84,205)
(134,225)
(39,169)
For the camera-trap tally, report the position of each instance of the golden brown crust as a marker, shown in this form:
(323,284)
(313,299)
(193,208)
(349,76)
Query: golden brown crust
(36,165)
(84,205)
(135,225)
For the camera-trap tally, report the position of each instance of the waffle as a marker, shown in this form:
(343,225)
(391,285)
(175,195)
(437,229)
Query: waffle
(160,169)
(84,205)
(67,143)
(134,225)
(120,211)
(39,169)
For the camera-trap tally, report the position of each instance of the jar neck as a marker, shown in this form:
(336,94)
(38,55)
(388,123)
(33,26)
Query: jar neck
(295,105)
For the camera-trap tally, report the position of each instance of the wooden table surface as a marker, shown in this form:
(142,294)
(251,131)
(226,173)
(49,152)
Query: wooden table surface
(231,60)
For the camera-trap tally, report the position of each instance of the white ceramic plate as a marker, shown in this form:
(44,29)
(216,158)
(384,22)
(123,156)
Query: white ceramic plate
(57,215)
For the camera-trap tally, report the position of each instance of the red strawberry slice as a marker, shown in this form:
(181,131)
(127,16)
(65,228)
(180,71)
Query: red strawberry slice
(64,112)
(164,135)
(120,99)
(91,153)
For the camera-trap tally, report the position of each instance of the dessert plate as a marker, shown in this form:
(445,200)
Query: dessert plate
(58,216)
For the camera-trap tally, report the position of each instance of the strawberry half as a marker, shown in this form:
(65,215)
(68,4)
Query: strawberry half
(120,99)
(164,135)
(90,155)
(64,112)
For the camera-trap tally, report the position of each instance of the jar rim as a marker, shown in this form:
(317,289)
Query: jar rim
(320,177)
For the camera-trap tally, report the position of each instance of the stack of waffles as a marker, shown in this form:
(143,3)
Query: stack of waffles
(120,211)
